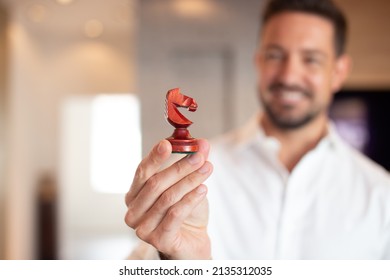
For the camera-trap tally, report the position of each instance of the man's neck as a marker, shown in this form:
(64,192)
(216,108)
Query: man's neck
(295,143)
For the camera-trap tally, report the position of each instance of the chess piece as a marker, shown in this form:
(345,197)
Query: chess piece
(181,140)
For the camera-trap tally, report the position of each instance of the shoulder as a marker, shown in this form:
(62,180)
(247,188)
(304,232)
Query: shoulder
(376,182)
(371,171)
(224,142)
(234,141)
(374,169)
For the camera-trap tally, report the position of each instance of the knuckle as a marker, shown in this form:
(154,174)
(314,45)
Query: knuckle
(154,159)
(128,198)
(189,200)
(129,219)
(165,228)
(155,241)
(140,173)
(174,213)
(167,199)
(179,167)
(192,180)
(142,233)
(153,184)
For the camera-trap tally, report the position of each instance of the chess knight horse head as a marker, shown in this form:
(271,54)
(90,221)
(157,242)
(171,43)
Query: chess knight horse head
(174,100)
(181,140)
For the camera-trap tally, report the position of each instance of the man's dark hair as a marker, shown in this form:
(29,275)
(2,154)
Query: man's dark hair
(325,8)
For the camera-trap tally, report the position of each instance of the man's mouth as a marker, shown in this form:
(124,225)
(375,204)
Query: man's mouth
(289,95)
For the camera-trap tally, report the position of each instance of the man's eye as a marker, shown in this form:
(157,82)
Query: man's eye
(312,60)
(273,56)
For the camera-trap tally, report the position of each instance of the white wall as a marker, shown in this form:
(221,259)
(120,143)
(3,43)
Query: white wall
(50,61)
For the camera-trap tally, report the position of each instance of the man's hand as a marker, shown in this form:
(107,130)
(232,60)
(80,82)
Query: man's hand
(168,208)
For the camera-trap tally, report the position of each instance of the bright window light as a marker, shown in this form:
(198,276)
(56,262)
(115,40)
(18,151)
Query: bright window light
(115,142)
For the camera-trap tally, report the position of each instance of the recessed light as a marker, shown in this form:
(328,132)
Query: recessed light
(193,8)
(64,2)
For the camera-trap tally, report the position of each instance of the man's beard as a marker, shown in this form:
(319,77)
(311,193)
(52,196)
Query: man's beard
(290,122)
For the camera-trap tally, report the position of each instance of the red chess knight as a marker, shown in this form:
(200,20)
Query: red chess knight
(181,140)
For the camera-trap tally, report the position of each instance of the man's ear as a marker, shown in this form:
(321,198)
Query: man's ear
(341,71)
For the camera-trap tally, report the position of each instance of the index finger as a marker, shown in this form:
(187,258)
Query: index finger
(150,165)
(204,147)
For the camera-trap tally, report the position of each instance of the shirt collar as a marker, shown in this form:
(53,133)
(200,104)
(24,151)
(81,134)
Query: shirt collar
(252,134)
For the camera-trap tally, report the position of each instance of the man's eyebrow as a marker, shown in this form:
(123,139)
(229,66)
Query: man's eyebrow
(273,46)
(308,51)
(314,52)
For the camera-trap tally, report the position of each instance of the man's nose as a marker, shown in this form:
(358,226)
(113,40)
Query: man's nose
(290,71)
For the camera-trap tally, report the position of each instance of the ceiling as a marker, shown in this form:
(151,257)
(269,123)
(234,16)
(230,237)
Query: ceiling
(72,15)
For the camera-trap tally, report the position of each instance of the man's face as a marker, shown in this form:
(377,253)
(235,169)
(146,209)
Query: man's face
(298,68)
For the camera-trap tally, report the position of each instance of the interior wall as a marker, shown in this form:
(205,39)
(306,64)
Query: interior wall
(50,61)
(368,43)
(3,88)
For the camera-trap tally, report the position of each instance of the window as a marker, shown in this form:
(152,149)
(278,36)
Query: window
(115,142)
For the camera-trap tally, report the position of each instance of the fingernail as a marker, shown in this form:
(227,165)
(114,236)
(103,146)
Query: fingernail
(194,158)
(201,189)
(161,148)
(204,169)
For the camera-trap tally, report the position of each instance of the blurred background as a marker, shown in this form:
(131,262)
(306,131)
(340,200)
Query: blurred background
(82,89)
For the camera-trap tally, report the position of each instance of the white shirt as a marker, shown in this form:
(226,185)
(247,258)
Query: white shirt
(335,204)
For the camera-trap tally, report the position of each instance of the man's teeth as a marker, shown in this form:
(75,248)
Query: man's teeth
(291,95)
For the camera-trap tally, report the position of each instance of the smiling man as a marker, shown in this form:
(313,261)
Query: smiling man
(284,186)
(301,64)
(299,68)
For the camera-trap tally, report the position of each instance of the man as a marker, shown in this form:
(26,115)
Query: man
(284,186)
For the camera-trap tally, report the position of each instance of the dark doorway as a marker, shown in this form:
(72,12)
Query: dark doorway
(364,116)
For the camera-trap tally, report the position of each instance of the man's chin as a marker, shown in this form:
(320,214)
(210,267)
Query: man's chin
(290,123)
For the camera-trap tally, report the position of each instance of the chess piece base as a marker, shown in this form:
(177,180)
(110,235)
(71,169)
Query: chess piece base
(182,142)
